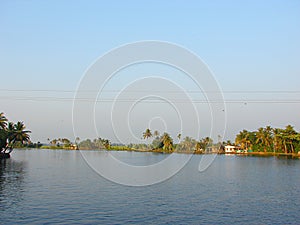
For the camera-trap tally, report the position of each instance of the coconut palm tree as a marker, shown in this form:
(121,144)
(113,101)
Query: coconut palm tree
(268,136)
(106,143)
(156,133)
(188,143)
(289,135)
(3,121)
(147,134)
(260,138)
(19,133)
(243,139)
(277,139)
(198,147)
(168,142)
(11,133)
(16,133)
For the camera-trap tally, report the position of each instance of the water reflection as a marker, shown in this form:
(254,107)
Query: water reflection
(12,175)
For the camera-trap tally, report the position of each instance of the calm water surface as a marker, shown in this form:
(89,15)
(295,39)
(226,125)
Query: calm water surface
(58,187)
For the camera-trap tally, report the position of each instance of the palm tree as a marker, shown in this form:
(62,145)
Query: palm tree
(167,141)
(277,139)
(198,148)
(179,137)
(228,142)
(11,133)
(243,139)
(156,133)
(289,136)
(188,143)
(106,143)
(147,134)
(3,120)
(20,134)
(261,139)
(268,136)
(16,133)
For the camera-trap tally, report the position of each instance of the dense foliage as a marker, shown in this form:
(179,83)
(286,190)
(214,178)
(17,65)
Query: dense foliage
(12,135)
(270,139)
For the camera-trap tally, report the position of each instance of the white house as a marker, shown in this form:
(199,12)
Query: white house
(229,149)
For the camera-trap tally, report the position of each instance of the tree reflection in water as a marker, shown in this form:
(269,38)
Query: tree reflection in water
(11,183)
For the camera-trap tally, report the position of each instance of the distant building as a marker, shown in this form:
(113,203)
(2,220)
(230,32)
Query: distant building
(229,149)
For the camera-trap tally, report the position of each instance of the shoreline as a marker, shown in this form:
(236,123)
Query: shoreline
(161,151)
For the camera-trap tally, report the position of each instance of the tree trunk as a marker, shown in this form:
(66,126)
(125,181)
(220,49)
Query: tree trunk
(292,147)
(285,148)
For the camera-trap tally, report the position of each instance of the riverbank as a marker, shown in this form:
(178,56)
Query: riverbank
(162,151)
(270,154)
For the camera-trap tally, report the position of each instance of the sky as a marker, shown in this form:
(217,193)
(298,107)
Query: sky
(252,49)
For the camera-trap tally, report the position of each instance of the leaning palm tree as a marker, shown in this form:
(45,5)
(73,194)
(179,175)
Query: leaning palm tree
(11,133)
(3,120)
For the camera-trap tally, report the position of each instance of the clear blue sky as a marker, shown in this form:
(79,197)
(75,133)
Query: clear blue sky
(249,45)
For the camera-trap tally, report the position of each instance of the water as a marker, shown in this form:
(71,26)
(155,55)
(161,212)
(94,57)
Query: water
(58,187)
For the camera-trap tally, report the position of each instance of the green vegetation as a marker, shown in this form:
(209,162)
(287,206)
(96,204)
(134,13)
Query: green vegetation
(61,143)
(98,143)
(11,135)
(263,141)
(269,139)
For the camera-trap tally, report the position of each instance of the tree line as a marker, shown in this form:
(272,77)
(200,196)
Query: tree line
(165,143)
(264,139)
(268,139)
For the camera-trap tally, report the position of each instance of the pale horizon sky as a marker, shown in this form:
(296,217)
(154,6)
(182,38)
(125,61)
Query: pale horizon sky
(252,48)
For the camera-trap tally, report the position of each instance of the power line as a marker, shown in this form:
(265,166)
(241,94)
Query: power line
(156,91)
(111,100)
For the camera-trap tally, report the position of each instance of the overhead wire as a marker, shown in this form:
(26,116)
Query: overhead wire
(176,100)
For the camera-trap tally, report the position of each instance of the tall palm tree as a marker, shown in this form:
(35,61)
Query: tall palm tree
(277,139)
(261,139)
(147,134)
(289,134)
(268,136)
